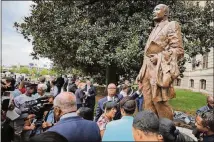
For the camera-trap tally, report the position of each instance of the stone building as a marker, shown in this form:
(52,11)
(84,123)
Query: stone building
(198,75)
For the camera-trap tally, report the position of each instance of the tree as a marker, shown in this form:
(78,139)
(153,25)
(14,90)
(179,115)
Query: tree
(108,37)
(24,70)
(44,72)
(52,73)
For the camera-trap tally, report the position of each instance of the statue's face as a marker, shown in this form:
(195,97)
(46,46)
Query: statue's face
(158,13)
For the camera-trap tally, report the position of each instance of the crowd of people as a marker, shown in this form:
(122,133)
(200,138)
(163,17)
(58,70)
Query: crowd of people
(64,110)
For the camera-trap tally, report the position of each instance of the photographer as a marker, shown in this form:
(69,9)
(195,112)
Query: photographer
(43,118)
(20,105)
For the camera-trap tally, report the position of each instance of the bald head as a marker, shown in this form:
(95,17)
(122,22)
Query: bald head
(111,85)
(160,12)
(209,98)
(112,89)
(165,8)
(66,101)
(210,101)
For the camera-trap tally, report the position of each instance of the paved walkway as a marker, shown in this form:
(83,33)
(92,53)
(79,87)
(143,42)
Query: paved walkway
(187,132)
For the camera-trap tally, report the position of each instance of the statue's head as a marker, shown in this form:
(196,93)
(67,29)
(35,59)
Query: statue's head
(160,12)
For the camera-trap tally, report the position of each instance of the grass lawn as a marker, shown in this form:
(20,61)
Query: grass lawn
(188,101)
(185,101)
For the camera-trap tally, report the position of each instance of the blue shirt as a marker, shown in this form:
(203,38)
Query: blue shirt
(119,130)
(16,93)
(50,117)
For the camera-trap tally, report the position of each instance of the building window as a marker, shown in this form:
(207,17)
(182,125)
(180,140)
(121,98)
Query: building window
(191,83)
(193,62)
(205,61)
(177,82)
(203,84)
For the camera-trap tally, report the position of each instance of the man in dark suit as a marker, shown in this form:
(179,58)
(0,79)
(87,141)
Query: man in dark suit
(59,83)
(112,96)
(70,125)
(90,93)
(74,86)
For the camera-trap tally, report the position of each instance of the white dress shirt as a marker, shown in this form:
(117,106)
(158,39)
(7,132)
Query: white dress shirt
(110,98)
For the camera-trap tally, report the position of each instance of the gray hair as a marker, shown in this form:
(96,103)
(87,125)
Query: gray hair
(66,103)
(43,86)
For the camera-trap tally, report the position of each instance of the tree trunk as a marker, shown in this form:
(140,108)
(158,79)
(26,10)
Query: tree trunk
(111,76)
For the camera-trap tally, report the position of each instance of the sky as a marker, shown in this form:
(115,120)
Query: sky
(15,49)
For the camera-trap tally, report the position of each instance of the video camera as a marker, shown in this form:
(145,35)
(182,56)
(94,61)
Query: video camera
(38,107)
(32,103)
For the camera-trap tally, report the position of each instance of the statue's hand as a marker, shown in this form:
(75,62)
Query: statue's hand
(139,77)
(167,54)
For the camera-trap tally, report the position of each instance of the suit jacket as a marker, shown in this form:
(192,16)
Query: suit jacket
(166,35)
(135,95)
(79,96)
(100,110)
(77,129)
(91,91)
(90,101)
(59,81)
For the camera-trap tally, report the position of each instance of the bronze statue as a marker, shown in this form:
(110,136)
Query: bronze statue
(160,66)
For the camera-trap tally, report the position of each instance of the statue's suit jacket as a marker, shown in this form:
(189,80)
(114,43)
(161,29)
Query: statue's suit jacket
(166,35)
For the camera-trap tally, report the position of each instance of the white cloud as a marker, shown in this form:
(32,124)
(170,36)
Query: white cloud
(15,49)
